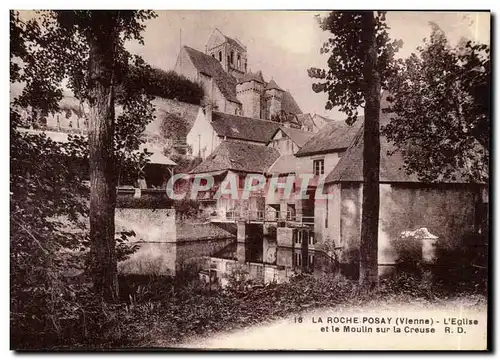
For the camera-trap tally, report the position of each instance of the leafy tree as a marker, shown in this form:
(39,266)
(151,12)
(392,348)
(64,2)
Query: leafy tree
(170,85)
(361,60)
(85,50)
(440,105)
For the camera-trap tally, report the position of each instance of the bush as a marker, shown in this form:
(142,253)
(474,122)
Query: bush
(170,85)
(186,209)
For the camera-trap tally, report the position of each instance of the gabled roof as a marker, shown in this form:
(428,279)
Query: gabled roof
(250,76)
(350,166)
(285,164)
(238,156)
(272,85)
(320,121)
(208,65)
(244,128)
(335,136)
(289,105)
(157,156)
(305,120)
(299,137)
(234,42)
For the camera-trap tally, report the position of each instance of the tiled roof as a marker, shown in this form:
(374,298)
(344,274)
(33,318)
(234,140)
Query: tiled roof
(289,105)
(305,120)
(234,42)
(208,65)
(252,76)
(285,164)
(239,127)
(320,121)
(157,156)
(350,166)
(272,85)
(299,137)
(238,156)
(336,135)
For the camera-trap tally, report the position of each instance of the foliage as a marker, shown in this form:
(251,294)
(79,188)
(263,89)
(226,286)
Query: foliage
(238,280)
(361,60)
(48,193)
(173,126)
(170,85)
(174,129)
(344,81)
(47,229)
(186,209)
(158,311)
(185,163)
(408,250)
(440,107)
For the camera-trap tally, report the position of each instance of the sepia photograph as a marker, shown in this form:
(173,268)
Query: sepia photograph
(249,180)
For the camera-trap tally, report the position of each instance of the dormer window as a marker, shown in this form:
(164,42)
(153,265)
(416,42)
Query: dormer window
(220,56)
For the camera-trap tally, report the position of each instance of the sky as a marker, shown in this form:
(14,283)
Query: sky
(284,44)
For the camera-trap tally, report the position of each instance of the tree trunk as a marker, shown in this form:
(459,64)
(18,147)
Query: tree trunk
(368,266)
(102,41)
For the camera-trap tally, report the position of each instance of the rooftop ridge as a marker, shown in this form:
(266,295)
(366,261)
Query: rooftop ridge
(246,117)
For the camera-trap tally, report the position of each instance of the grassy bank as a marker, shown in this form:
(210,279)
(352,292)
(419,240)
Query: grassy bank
(158,311)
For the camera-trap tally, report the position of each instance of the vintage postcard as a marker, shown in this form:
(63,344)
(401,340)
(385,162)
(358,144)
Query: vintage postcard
(249,180)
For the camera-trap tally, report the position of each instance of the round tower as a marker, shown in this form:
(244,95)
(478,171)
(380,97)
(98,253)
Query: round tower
(273,96)
(249,92)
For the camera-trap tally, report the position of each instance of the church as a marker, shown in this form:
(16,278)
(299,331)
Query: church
(230,88)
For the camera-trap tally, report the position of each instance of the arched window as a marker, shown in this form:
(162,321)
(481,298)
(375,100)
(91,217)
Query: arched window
(220,56)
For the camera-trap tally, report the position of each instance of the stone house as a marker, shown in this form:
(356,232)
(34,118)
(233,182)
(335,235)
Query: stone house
(233,160)
(448,209)
(211,128)
(288,141)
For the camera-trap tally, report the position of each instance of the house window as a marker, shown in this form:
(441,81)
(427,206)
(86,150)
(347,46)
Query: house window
(213,55)
(239,61)
(311,260)
(319,167)
(311,238)
(232,58)
(220,56)
(298,238)
(298,259)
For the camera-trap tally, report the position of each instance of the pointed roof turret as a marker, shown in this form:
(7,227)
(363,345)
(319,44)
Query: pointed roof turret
(272,85)
(249,76)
